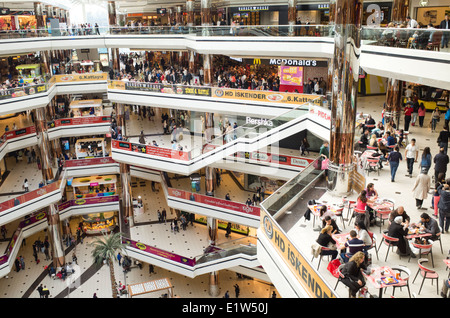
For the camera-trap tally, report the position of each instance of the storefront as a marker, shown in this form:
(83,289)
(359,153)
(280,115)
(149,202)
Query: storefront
(94,186)
(15,20)
(97,223)
(90,148)
(259,15)
(87,107)
(314,14)
(29,72)
(433,15)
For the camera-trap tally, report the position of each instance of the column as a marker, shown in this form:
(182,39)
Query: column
(179,15)
(112,17)
(39,14)
(43,144)
(125,177)
(207,70)
(49,11)
(191,61)
(347,49)
(115,59)
(214,284)
(55,238)
(127,200)
(292,16)
(393,101)
(211,223)
(206,12)
(400,10)
(190,8)
(330,61)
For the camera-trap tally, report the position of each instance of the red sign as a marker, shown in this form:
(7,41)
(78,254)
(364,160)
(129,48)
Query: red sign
(151,150)
(88,162)
(220,203)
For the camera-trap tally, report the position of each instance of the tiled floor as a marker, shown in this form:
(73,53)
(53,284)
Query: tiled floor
(192,241)
(401,192)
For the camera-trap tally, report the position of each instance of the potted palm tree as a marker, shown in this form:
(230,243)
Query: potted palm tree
(105,249)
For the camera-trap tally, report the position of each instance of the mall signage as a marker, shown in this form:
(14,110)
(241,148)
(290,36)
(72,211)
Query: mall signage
(287,62)
(254,8)
(259,121)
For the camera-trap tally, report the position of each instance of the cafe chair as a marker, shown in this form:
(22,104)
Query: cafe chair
(405,274)
(372,148)
(372,165)
(389,242)
(424,249)
(339,212)
(382,216)
(439,235)
(323,248)
(355,213)
(350,206)
(426,273)
(374,243)
(340,275)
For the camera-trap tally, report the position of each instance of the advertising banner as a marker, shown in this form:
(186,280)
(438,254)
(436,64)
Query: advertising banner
(275,158)
(266,96)
(84,77)
(291,75)
(306,275)
(151,150)
(22,91)
(158,252)
(220,203)
(88,162)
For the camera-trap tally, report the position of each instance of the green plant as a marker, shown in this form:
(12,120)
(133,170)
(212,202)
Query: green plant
(106,248)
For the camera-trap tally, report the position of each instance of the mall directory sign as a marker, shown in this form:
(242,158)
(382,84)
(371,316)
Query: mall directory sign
(306,275)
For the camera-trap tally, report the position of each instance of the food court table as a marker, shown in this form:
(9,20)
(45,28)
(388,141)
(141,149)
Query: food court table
(341,239)
(333,210)
(382,277)
(381,204)
(416,233)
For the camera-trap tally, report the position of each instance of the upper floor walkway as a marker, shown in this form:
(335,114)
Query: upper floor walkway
(407,54)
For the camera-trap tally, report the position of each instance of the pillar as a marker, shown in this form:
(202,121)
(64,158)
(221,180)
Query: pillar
(127,200)
(347,50)
(55,238)
(292,16)
(39,14)
(206,12)
(400,10)
(190,8)
(191,61)
(115,59)
(112,16)
(43,144)
(49,11)
(212,230)
(214,290)
(330,61)
(207,70)
(179,15)
(393,101)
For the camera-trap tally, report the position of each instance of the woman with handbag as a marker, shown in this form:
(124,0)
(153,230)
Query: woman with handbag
(435,118)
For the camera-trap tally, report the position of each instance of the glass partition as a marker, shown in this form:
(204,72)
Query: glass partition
(292,189)
(245,245)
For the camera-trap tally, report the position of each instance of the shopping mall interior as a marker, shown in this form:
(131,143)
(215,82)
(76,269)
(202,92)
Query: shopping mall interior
(224,149)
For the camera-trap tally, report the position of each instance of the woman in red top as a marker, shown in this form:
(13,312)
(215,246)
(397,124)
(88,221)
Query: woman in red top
(422,112)
(408,113)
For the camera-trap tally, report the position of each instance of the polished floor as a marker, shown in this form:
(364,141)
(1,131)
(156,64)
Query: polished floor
(192,241)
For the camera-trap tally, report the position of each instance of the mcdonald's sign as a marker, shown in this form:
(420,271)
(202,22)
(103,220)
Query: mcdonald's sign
(256,61)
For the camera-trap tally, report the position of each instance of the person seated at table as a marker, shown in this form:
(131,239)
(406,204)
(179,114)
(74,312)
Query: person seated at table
(326,240)
(369,122)
(364,140)
(399,230)
(390,140)
(401,136)
(373,141)
(400,211)
(378,130)
(429,225)
(353,245)
(371,193)
(361,204)
(445,288)
(353,277)
(328,220)
(363,235)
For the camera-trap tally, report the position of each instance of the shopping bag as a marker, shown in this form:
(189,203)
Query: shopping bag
(333,267)
(325,164)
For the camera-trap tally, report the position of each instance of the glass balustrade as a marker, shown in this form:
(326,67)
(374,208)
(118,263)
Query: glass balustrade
(245,245)
(292,189)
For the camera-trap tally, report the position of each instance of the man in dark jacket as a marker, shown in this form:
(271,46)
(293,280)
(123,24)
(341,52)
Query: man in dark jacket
(443,138)
(398,230)
(445,24)
(444,206)
(430,226)
(441,161)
